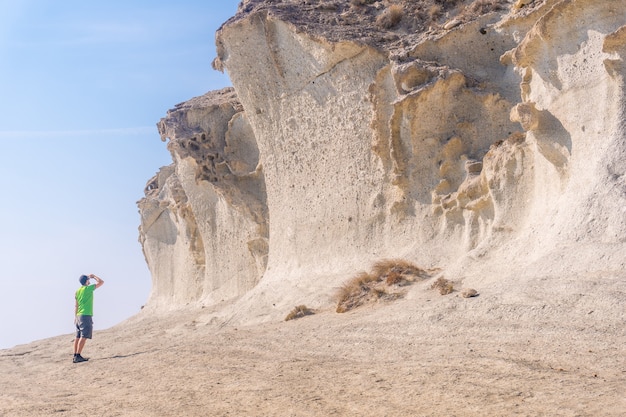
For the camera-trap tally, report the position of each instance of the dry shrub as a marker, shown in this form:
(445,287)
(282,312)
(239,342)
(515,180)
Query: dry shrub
(435,11)
(369,287)
(361,280)
(396,271)
(443,285)
(390,17)
(356,291)
(394,278)
(298,312)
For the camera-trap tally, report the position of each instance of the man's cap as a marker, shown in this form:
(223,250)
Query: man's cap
(83,279)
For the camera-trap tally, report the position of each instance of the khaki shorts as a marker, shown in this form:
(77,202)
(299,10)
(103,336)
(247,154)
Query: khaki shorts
(84,327)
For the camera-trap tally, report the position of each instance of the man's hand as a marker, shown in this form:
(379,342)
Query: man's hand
(99,281)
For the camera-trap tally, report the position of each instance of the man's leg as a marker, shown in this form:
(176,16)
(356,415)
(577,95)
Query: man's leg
(79,344)
(84,328)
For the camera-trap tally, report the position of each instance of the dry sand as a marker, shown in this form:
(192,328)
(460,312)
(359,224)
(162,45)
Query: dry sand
(424,355)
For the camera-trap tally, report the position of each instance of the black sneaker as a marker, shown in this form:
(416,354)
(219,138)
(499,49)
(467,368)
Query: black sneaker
(79,358)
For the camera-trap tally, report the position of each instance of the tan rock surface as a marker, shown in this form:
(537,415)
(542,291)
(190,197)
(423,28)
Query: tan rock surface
(474,149)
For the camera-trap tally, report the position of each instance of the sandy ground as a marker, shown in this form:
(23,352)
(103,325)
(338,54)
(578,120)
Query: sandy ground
(424,355)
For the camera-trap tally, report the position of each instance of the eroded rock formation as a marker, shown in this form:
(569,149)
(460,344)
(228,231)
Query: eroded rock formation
(450,132)
(204,218)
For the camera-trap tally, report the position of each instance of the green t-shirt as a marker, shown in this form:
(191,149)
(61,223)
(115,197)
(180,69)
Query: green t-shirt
(84,297)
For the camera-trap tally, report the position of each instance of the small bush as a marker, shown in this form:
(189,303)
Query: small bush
(298,312)
(390,17)
(356,291)
(369,287)
(356,285)
(443,285)
(393,278)
(435,11)
(396,271)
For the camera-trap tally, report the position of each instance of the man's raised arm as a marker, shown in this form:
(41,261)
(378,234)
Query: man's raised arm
(99,281)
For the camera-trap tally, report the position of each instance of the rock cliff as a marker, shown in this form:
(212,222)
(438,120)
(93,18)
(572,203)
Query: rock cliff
(486,138)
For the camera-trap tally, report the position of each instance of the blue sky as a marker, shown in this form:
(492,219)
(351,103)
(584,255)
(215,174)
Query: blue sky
(82,85)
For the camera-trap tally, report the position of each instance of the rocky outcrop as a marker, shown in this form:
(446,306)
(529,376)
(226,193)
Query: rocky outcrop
(445,135)
(204,218)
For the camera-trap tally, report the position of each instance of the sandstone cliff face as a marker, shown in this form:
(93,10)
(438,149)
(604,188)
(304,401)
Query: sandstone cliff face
(204,218)
(493,132)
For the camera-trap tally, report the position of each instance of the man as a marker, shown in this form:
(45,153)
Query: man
(83,312)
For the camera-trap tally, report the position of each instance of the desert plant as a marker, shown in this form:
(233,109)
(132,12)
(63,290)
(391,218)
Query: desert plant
(394,278)
(394,271)
(366,287)
(363,279)
(390,17)
(443,286)
(435,11)
(298,312)
(362,295)
(354,292)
